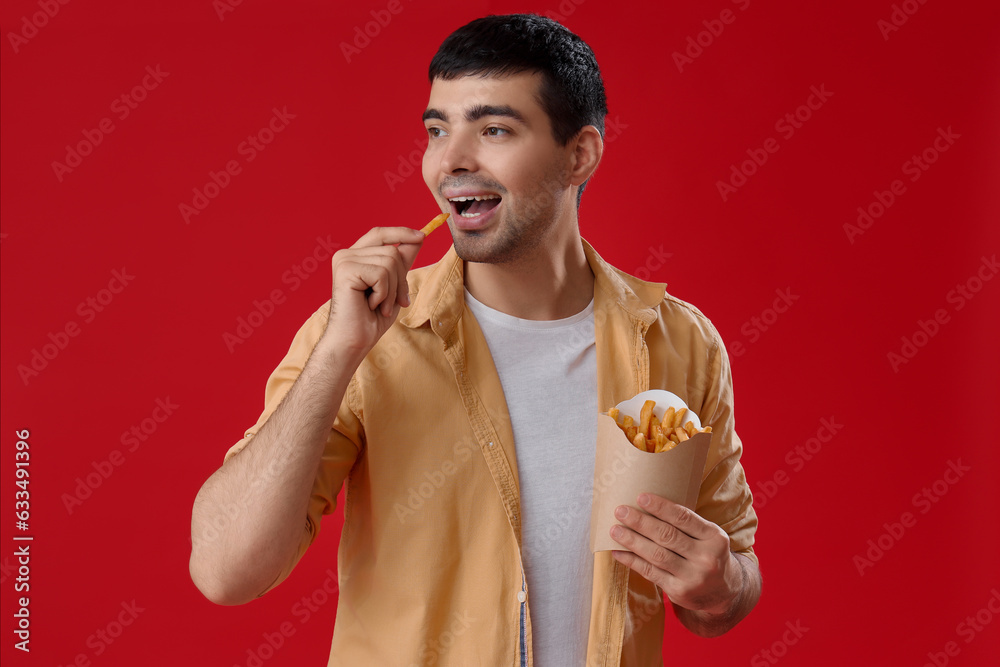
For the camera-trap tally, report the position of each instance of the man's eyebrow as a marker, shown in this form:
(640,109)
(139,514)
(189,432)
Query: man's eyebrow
(480,111)
(434,113)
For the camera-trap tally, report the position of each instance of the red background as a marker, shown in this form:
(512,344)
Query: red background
(325,174)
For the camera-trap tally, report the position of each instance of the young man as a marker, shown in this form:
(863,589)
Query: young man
(459,404)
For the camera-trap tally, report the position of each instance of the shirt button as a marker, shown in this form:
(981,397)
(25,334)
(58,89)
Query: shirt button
(521,596)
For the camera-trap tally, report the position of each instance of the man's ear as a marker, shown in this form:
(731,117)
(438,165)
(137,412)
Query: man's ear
(588,147)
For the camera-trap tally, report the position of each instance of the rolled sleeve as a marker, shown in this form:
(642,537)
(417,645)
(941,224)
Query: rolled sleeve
(725,497)
(342,446)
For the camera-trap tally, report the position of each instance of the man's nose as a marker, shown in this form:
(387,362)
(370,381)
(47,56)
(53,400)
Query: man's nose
(459,154)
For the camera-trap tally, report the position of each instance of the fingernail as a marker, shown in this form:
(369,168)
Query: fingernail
(644,500)
(617,532)
(621,512)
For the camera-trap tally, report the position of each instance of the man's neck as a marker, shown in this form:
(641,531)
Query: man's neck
(551,283)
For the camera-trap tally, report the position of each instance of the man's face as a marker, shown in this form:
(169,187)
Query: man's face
(489,139)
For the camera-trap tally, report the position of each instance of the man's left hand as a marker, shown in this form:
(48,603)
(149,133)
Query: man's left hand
(682,553)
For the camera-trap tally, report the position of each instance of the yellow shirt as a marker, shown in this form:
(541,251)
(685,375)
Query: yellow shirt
(429,563)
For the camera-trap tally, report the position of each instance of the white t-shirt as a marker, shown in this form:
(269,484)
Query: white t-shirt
(548,370)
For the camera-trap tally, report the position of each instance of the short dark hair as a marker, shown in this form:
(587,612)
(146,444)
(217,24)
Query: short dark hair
(572,90)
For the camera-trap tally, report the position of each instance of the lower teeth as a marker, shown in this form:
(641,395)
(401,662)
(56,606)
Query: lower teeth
(470,215)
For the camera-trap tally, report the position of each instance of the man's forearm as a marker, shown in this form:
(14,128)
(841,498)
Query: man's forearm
(705,624)
(249,516)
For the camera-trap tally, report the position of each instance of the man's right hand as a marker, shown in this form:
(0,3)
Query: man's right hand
(369,287)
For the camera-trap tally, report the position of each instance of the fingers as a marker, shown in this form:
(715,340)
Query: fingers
(394,260)
(409,241)
(691,570)
(374,276)
(643,567)
(369,285)
(660,532)
(402,243)
(683,519)
(652,540)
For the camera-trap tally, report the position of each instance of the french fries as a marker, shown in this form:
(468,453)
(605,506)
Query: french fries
(434,224)
(657,435)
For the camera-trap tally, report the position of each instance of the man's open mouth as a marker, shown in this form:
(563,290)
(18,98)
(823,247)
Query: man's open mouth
(473,207)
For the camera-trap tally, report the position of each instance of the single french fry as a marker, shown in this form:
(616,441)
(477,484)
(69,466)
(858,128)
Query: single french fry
(434,224)
(691,430)
(668,420)
(681,434)
(631,432)
(707,429)
(659,440)
(613,413)
(679,417)
(639,441)
(645,416)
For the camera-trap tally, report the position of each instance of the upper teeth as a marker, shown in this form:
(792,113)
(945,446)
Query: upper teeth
(476,198)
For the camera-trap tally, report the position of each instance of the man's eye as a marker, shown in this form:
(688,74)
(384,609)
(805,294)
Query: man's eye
(496,131)
(435,132)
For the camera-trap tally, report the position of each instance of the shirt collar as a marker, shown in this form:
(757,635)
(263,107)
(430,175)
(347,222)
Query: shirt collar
(440,295)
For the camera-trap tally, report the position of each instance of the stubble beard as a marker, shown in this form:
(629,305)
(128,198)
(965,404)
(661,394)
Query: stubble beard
(521,232)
